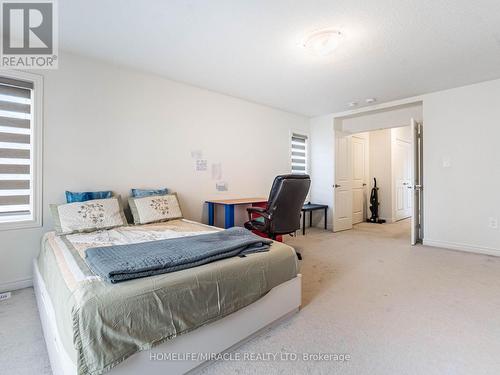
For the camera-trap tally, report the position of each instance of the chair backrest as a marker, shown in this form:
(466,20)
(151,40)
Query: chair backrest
(285,202)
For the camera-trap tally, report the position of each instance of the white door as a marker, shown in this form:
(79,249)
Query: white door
(342,218)
(403,196)
(416,184)
(359,177)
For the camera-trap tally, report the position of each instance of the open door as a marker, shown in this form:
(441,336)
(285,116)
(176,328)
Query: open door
(342,218)
(416,185)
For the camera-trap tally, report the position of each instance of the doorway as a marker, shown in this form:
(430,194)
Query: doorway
(393,157)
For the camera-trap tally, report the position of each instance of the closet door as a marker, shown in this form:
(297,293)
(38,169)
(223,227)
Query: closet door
(359,177)
(342,217)
(402,179)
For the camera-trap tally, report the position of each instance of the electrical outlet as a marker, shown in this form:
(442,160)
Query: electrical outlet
(4,296)
(493,223)
(221,186)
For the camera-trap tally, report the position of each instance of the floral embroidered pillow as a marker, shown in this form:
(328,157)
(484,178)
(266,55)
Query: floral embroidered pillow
(155,208)
(88,216)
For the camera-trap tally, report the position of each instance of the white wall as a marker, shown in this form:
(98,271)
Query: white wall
(461,125)
(322,166)
(403,133)
(107,127)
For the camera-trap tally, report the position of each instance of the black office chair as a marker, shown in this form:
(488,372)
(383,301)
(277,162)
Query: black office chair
(282,214)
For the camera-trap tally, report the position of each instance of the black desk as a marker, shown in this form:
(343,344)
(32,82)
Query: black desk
(310,207)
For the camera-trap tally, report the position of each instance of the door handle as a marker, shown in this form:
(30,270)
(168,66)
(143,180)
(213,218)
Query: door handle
(364,184)
(336,186)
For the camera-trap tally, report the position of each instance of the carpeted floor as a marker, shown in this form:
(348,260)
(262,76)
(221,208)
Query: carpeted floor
(395,309)
(22,347)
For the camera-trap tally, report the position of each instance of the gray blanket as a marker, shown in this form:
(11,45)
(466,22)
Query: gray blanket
(131,261)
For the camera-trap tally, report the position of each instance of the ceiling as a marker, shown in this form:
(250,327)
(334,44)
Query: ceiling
(251,49)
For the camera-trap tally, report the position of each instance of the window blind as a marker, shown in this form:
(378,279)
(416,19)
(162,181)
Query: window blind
(16,150)
(299,154)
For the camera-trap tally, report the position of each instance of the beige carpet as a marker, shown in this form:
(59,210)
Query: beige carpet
(394,308)
(22,347)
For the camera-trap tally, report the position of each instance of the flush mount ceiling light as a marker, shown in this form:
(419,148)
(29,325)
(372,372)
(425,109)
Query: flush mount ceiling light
(323,42)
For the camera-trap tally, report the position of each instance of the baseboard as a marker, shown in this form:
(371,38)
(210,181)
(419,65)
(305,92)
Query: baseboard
(462,247)
(15,285)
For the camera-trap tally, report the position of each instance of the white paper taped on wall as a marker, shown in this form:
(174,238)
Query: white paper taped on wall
(216,171)
(201,165)
(221,185)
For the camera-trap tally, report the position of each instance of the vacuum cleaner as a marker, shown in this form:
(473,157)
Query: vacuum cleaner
(374,203)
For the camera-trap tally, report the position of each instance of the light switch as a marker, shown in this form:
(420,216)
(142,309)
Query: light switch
(446,162)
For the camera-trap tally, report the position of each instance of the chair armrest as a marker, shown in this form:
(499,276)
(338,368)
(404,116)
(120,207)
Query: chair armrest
(261,211)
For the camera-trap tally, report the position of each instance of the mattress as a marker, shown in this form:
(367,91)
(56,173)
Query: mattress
(102,324)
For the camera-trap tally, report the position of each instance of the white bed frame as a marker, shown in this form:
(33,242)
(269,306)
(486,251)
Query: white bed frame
(217,337)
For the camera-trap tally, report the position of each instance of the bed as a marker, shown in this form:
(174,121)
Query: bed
(94,327)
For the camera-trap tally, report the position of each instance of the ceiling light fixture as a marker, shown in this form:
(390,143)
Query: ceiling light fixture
(323,42)
(352,104)
(370,100)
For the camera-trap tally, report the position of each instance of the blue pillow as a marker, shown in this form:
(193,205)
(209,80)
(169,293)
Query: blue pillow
(72,197)
(139,193)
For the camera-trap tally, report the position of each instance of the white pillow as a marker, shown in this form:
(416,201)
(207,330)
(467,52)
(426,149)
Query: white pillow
(88,216)
(154,209)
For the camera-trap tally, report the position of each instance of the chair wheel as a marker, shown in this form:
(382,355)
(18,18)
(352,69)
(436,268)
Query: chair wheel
(299,256)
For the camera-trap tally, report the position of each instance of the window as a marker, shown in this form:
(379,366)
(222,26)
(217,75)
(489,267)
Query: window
(299,153)
(19,153)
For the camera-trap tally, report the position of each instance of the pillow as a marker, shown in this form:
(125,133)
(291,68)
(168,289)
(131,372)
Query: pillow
(87,196)
(138,193)
(153,209)
(88,216)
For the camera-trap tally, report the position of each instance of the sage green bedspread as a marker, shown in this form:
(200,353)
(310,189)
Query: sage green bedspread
(102,324)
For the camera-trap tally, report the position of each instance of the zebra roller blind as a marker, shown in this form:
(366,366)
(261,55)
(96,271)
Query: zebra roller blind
(299,154)
(16,150)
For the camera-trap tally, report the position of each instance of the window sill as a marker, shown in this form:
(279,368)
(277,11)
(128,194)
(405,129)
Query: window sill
(25,224)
